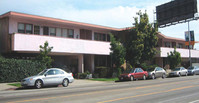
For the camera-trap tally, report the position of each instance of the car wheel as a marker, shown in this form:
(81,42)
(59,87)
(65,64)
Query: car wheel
(186,74)
(163,76)
(38,84)
(144,77)
(131,78)
(153,76)
(65,83)
(179,74)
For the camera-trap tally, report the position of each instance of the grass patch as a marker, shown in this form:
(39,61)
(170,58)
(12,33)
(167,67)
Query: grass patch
(15,84)
(104,79)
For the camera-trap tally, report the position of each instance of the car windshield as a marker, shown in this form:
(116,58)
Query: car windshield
(42,73)
(191,68)
(176,69)
(129,71)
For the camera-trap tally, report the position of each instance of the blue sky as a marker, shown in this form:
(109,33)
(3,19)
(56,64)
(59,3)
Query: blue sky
(112,13)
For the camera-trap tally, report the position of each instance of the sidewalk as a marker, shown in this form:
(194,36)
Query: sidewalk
(76,83)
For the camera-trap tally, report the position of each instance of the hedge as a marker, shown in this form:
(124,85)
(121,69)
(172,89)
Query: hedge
(14,70)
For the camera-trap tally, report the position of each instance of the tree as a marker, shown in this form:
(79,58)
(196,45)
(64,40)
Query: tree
(142,40)
(43,56)
(174,58)
(117,53)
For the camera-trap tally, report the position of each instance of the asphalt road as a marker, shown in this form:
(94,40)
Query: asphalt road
(168,90)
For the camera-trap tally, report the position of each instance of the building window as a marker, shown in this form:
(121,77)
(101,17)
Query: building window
(25,28)
(52,31)
(64,32)
(70,33)
(21,28)
(58,32)
(28,28)
(100,37)
(180,45)
(36,29)
(167,44)
(45,30)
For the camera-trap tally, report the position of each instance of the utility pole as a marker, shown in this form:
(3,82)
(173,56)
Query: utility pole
(189,46)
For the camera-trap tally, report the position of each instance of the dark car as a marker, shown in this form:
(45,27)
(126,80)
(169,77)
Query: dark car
(132,74)
(156,72)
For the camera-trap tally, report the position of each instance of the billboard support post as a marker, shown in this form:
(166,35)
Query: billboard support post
(189,45)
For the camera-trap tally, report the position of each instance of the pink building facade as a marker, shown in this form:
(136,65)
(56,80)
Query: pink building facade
(79,46)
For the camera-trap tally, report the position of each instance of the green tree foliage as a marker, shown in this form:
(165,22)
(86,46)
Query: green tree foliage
(117,54)
(174,59)
(43,56)
(142,40)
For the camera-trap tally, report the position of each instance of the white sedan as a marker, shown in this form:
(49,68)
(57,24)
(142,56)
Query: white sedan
(49,77)
(179,71)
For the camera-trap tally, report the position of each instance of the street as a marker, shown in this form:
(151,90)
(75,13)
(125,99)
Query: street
(169,90)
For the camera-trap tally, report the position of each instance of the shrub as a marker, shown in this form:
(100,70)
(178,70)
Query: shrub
(102,72)
(14,70)
(83,75)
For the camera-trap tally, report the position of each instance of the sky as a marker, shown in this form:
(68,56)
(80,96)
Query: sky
(111,13)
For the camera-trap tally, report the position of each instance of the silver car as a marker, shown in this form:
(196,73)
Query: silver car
(179,71)
(49,77)
(193,70)
(156,72)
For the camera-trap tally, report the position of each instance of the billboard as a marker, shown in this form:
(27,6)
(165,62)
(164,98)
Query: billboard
(175,11)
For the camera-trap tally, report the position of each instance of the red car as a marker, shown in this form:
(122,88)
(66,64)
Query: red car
(136,73)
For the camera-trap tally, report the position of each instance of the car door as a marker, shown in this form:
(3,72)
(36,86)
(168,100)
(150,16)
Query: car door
(59,76)
(50,78)
(136,73)
(140,73)
(157,72)
(183,71)
(196,70)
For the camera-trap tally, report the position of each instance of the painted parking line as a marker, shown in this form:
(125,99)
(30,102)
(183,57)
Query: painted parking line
(141,95)
(97,92)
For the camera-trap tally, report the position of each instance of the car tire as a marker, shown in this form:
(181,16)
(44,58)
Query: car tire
(179,74)
(186,74)
(131,78)
(163,76)
(38,84)
(153,76)
(65,82)
(144,77)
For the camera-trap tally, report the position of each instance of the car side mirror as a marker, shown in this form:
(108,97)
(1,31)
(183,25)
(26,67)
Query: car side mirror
(45,75)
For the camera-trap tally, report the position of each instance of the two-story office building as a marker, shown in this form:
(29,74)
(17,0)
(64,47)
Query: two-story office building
(80,46)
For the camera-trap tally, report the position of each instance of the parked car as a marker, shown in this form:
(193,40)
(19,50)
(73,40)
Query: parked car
(49,77)
(179,71)
(193,70)
(156,73)
(132,74)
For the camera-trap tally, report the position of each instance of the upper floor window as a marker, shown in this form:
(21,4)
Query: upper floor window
(52,31)
(36,29)
(21,28)
(167,44)
(25,28)
(70,33)
(180,45)
(100,37)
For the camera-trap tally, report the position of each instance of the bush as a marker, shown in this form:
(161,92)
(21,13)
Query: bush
(146,66)
(103,72)
(84,75)
(14,70)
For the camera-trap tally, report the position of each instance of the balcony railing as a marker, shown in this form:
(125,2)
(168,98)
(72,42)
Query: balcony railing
(31,43)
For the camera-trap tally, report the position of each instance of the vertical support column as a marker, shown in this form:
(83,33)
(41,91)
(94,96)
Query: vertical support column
(80,63)
(92,61)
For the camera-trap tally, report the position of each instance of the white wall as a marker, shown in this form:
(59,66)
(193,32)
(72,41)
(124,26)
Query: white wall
(24,42)
(184,52)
